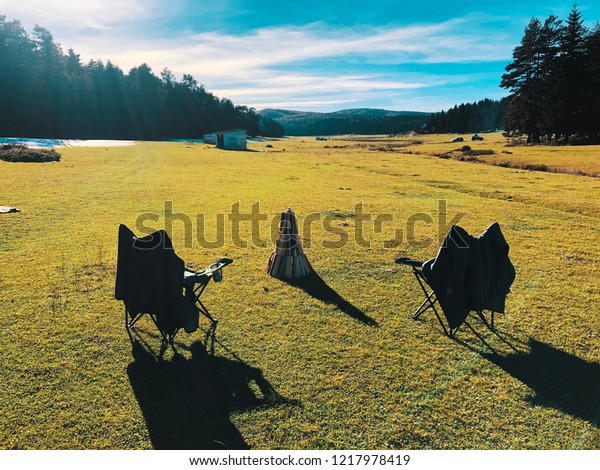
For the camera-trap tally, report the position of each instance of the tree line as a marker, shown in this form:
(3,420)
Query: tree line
(49,94)
(484,115)
(554,81)
(349,121)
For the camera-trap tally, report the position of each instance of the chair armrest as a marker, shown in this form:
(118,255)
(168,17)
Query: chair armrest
(409,262)
(220,263)
(205,275)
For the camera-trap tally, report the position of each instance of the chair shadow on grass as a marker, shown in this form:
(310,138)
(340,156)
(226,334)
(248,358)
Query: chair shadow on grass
(316,287)
(187,402)
(559,380)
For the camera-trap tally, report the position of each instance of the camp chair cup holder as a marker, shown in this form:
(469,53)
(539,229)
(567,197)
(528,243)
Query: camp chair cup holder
(217,268)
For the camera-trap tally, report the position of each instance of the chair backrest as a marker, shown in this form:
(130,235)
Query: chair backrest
(448,275)
(150,278)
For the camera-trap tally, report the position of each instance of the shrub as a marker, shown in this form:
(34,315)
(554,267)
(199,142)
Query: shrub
(20,153)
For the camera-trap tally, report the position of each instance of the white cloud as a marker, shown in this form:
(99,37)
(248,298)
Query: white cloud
(303,90)
(301,105)
(280,84)
(69,15)
(221,55)
(253,69)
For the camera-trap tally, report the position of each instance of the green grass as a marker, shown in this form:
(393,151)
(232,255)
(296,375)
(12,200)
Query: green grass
(291,368)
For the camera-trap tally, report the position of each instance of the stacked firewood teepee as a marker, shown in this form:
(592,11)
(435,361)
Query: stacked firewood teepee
(288,260)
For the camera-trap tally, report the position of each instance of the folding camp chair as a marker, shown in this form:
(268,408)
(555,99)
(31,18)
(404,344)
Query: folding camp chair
(152,280)
(469,274)
(431,300)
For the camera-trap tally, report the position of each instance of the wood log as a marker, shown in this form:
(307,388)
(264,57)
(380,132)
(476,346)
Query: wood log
(288,260)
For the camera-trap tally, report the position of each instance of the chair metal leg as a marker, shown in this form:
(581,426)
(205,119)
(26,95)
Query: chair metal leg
(128,323)
(489,324)
(446,331)
(193,295)
(429,297)
(428,303)
(166,338)
(205,311)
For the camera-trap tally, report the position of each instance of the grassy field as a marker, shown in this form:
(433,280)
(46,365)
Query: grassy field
(341,365)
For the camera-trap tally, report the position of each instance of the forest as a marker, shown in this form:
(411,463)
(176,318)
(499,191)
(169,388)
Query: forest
(347,121)
(47,93)
(554,82)
(485,115)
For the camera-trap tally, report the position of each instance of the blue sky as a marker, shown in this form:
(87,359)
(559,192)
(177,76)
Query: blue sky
(306,54)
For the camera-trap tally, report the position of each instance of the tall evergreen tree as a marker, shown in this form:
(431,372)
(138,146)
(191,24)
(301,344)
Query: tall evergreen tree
(528,78)
(593,90)
(572,78)
(16,77)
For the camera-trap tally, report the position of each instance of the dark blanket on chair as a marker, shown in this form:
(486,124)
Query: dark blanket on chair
(497,272)
(470,274)
(449,276)
(150,278)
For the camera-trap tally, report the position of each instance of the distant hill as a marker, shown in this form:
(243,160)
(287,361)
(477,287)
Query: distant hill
(347,121)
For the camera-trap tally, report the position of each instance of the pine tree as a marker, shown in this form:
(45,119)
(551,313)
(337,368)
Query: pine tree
(529,80)
(592,61)
(572,78)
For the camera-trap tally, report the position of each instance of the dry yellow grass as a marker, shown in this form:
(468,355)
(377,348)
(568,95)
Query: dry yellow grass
(70,379)
(567,159)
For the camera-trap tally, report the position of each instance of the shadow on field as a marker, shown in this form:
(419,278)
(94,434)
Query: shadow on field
(316,287)
(187,402)
(560,380)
